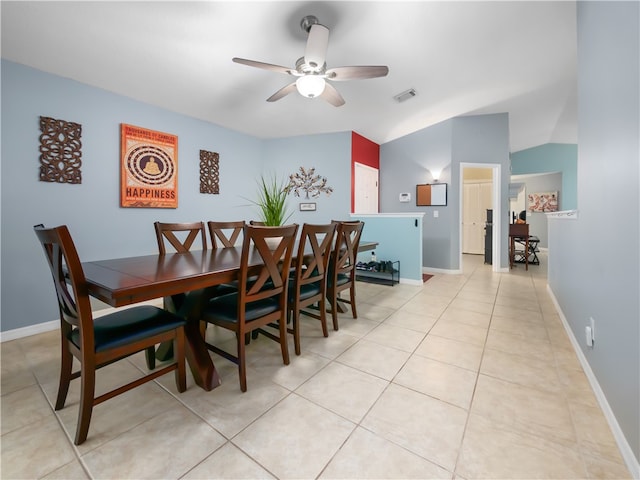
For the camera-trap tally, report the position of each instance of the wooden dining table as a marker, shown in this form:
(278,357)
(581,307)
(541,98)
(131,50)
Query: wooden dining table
(126,281)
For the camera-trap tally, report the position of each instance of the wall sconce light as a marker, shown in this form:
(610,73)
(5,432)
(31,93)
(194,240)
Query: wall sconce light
(435,173)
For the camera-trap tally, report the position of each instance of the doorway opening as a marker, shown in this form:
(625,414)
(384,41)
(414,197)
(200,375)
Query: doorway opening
(479,229)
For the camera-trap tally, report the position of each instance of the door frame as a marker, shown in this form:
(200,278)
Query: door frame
(496,179)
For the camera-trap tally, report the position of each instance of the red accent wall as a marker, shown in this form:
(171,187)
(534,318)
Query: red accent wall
(366,152)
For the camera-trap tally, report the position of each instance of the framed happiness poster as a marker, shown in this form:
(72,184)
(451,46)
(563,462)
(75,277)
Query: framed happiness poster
(148,168)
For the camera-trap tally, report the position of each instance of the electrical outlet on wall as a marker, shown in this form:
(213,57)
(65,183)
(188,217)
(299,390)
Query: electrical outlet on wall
(589,332)
(588,337)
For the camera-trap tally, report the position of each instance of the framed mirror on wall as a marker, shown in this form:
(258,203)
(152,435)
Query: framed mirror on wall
(431,195)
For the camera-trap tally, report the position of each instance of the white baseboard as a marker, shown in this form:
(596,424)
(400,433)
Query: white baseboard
(411,281)
(28,331)
(625,449)
(440,270)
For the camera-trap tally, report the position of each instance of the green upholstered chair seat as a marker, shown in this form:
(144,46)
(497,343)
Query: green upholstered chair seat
(127,326)
(232,287)
(306,291)
(225,289)
(341,279)
(225,308)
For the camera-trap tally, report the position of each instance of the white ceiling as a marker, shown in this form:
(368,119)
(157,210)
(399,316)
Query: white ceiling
(463,58)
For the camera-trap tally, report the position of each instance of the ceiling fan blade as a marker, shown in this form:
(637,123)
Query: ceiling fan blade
(356,73)
(316,50)
(331,95)
(283,92)
(264,66)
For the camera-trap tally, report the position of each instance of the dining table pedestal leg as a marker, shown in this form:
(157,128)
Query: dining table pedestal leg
(164,351)
(202,368)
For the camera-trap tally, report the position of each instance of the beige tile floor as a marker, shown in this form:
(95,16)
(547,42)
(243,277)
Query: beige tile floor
(469,376)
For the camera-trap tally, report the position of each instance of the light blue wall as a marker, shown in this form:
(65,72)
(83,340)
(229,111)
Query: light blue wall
(102,229)
(552,158)
(330,154)
(399,238)
(407,161)
(594,261)
(482,139)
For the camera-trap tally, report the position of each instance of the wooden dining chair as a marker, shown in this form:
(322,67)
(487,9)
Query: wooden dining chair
(225,234)
(261,298)
(104,340)
(518,231)
(308,286)
(187,233)
(342,267)
(182,237)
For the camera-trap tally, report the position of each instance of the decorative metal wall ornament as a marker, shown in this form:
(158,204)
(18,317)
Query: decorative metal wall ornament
(60,151)
(209,172)
(308,182)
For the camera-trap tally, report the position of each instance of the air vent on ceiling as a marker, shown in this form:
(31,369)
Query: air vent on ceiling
(404,96)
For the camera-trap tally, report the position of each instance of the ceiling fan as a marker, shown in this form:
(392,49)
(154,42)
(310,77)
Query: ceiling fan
(311,70)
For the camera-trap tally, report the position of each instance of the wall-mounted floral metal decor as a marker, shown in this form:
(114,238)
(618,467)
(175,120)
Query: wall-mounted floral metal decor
(308,182)
(60,151)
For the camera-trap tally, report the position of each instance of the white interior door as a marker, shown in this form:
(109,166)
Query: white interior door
(477,199)
(471,216)
(366,189)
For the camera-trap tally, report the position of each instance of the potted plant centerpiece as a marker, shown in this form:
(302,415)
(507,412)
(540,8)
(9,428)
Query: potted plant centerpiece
(272,204)
(272,201)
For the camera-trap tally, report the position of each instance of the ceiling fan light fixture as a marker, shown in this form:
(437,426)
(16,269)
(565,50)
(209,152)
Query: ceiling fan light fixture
(310,86)
(311,72)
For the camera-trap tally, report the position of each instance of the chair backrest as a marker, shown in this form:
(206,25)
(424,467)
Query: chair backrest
(225,234)
(346,221)
(256,223)
(338,222)
(167,231)
(519,230)
(265,263)
(69,283)
(345,251)
(311,266)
